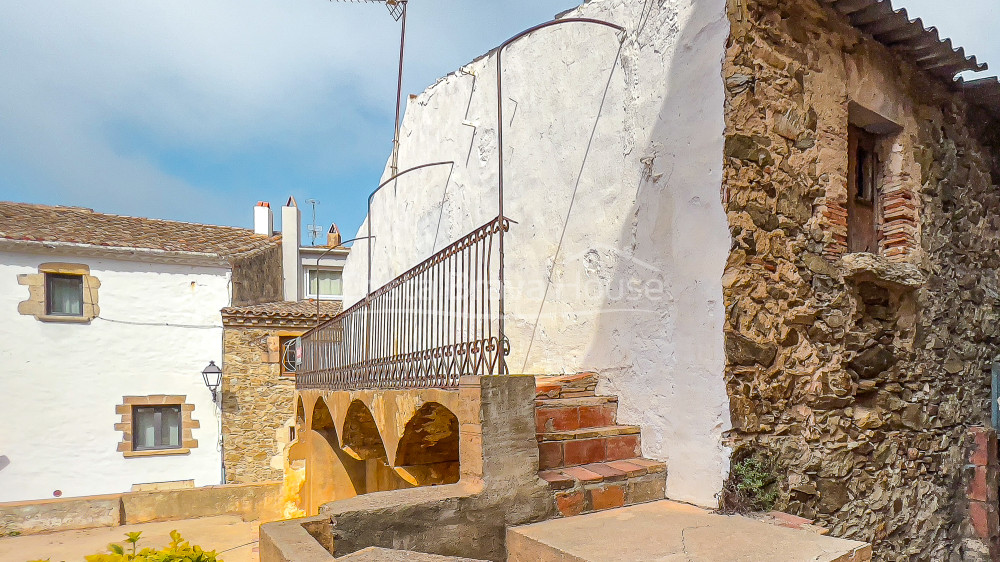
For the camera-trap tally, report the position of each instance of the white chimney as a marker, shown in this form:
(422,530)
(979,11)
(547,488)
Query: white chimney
(263,219)
(291,234)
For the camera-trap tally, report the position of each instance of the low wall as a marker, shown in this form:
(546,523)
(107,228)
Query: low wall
(65,514)
(248,501)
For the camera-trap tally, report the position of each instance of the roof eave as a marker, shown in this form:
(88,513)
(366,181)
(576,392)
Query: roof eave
(149,255)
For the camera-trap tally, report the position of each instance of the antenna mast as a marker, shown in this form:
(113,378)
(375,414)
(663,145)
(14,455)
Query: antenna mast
(314,229)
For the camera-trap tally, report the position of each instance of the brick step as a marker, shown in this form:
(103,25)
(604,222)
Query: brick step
(561,414)
(606,485)
(589,445)
(565,386)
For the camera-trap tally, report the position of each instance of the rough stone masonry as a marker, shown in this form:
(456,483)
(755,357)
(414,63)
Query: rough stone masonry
(859,373)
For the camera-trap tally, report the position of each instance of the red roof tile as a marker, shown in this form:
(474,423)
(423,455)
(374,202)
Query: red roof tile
(77,225)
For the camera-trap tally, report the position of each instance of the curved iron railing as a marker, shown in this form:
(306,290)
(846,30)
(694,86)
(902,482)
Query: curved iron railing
(424,329)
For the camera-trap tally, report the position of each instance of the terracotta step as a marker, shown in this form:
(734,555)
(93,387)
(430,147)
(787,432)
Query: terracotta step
(590,445)
(565,386)
(561,414)
(606,485)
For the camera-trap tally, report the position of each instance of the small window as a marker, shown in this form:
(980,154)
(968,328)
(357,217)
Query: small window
(289,358)
(63,295)
(156,427)
(864,174)
(325,284)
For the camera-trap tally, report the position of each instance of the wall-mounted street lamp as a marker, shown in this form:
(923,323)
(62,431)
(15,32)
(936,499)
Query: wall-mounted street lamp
(213,379)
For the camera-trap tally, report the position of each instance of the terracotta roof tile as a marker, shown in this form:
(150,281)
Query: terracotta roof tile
(283,313)
(76,225)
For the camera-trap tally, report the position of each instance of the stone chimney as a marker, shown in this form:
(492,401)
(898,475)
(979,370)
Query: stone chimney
(263,219)
(333,237)
(291,234)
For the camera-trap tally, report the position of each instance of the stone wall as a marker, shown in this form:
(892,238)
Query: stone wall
(257,405)
(858,374)
(257,277)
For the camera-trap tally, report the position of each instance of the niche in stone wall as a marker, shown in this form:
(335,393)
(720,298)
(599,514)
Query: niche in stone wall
(881,333)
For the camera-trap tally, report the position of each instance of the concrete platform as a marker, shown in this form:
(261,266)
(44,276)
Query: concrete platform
(669,531)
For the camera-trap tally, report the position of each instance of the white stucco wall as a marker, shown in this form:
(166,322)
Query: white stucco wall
(636,280)
(61,382)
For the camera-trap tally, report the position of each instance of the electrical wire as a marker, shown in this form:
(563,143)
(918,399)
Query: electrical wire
(239,546)
(162,324)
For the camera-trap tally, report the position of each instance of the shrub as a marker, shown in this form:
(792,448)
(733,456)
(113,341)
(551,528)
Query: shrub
(752,484)
(179,550)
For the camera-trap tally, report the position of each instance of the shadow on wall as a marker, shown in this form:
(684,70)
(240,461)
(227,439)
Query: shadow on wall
(664,325)
(339,468)
(4,461)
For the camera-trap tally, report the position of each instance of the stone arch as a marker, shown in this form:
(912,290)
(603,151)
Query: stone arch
(361,436)
(362,440)
(330,473)
(321,419)
(427,453)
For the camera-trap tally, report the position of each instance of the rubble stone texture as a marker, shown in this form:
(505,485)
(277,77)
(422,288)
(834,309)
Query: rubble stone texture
(257,406)
(859,375)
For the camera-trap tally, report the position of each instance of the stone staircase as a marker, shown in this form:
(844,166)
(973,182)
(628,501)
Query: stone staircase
(589,460)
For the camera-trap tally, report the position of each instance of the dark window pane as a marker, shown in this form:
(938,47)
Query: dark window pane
(143,428)
(64,295)
(156,427)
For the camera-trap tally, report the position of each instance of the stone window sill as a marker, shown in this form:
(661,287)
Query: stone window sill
(64,319)
(881,271)
(157,453)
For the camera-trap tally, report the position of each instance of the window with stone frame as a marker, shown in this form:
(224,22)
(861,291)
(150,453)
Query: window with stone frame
(156,425)
(61,292)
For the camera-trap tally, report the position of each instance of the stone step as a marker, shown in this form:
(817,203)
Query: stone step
(606,485)
(589,445)
(565,386)
(561,414)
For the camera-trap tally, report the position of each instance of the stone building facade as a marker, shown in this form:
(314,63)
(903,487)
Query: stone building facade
(860,373)
(258,384)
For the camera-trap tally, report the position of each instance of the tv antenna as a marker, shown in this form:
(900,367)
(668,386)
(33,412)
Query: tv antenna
(397,9)
(314,229)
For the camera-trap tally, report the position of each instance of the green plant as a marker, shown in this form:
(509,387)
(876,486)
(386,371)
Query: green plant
(752,484)
(179,550)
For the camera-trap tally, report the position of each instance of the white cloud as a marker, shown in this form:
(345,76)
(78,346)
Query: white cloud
(308,78)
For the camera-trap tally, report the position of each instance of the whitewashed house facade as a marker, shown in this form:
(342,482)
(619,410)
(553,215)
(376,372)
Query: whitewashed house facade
(106,323)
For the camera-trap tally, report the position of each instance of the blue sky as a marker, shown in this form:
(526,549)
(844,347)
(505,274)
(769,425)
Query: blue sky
(195,109)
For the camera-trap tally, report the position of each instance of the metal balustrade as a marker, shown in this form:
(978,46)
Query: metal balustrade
(424,329)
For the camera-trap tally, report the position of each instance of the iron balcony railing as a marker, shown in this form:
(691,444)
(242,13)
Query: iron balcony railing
(424,329)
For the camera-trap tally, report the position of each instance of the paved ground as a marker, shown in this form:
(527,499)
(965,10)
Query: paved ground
(669,531)
(220,533)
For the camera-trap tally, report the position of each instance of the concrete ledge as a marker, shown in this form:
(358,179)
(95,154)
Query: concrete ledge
(247,501)
(288,541)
